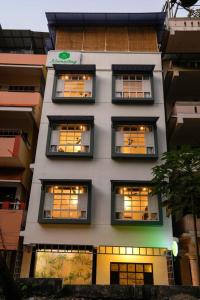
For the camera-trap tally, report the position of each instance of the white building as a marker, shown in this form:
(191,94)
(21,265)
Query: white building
(91,217)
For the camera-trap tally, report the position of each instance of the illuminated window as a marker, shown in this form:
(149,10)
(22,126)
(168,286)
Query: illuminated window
(134,203)
(135,139)
(132,84)
(74,85)
(66,202)
(132,137)
(70,137)
(73,268)
(131,273)
(128,86)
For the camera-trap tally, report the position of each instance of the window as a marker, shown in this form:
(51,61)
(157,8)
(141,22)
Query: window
(132,202)
(134,137)
(19,88)
(132,84)
(74,83)
(131,273)
(70,136)
(65,202)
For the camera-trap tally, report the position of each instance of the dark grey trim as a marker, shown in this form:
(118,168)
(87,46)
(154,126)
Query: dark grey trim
(73,100)
(131,101)
(75,68)
(138,69)
(72,119)
(130,69)
(114,221)
(46,182)
(134,120)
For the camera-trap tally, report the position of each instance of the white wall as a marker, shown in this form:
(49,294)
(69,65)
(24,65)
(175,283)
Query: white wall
(160,274)
(101,169)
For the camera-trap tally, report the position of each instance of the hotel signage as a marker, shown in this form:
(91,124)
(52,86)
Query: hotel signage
(63,57)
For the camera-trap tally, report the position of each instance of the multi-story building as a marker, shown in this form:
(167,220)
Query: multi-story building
(92,218)
(22,82)
(181,65)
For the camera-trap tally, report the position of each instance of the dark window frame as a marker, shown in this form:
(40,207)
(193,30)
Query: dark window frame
(132,263)
(114,221)
(116,121)
(70,119)
(46,182)
(74,69)
(133,69)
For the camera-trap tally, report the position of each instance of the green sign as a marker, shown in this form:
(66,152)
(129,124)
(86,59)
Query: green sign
(64,55)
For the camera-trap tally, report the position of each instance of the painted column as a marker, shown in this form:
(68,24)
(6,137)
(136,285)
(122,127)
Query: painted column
(26,262)
(194,270)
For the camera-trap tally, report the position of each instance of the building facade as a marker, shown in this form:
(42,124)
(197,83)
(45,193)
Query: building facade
(92,218)
(22,82)
(181,66)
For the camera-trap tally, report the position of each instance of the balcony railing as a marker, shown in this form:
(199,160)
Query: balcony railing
(20,88)
(10,224)
(8,204)
(14,148)
(187,108)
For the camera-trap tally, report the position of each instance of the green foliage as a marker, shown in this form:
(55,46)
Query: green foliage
(177,180)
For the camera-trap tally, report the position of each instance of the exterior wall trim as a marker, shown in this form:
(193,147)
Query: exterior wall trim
(114,183)
(45,182)
(136,69)
(134,120)
(74,69)
(72,119)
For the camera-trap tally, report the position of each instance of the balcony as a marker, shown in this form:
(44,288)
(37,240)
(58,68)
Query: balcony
(13,149)
(184,123)
(19,98)
(186,225)
(22,59)
(183,36)
(10,225)
(184,110)
(21,102)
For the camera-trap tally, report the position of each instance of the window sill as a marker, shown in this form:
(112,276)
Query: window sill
(134,156)
(63,221)
(132,101)
(69,155)
(136,223)
(65,100)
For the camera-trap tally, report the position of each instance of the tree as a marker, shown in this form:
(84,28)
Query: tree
(177,180)
(7,283)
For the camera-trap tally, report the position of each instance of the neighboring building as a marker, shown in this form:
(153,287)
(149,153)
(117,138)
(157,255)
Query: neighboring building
(181,65)
(91,216)
(22,83)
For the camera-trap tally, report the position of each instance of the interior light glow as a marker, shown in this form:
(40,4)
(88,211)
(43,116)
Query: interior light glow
(129,250)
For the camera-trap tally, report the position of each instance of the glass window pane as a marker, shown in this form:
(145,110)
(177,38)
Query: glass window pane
(147,268)
(139,268)
(114,267)
(123,267)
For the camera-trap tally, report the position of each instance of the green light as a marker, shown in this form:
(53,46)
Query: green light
(174,248)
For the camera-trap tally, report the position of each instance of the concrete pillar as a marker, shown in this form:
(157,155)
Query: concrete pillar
(26,262)
(194,270)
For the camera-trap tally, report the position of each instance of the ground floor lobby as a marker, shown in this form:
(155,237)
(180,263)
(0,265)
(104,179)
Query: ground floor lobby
(103,265)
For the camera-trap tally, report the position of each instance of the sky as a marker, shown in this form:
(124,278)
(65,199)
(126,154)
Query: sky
(30,14)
